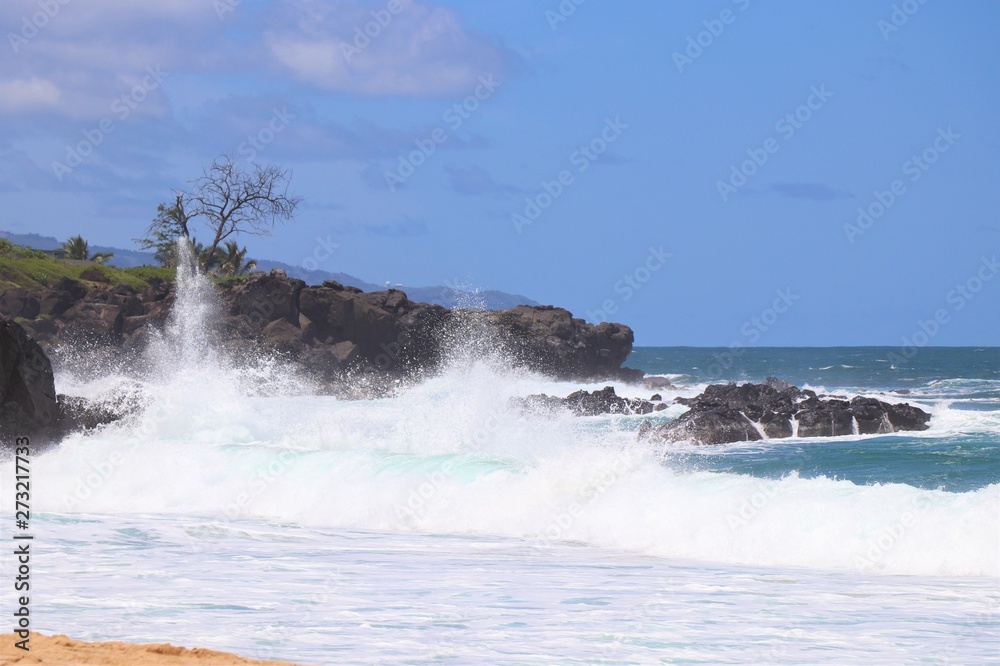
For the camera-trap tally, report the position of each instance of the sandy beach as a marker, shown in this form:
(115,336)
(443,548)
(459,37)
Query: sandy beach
(65,651)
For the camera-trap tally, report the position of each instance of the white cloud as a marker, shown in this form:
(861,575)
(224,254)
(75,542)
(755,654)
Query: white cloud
(19,95)
(422,50)
(94,51)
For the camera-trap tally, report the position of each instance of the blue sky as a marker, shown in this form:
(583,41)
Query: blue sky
(694,170)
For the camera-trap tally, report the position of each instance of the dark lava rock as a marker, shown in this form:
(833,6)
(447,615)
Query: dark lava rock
(726,413)
(824,422)
(27,391)
(707,427)
(330,330)
(584,403)
(29,406)
(777,384)
(551,341)
(77,413)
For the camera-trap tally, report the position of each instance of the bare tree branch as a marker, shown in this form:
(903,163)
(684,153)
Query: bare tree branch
(229,200)
(233,200)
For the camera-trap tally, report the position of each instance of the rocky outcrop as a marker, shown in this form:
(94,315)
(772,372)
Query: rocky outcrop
(330,329)
(333,329)
(549,340)
(726,413)
(707,427)
(593,403)
(27,391)
(29,405)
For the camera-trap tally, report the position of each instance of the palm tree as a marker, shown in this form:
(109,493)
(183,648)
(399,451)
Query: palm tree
(79,249)
(205,263)
(76,248)
(168,256)
(232,261)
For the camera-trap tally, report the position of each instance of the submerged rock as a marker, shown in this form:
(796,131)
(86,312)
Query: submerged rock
(655,383)
(726,413)
(77,413)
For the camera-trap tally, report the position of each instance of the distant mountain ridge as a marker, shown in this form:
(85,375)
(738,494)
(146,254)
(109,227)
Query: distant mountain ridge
(444,296)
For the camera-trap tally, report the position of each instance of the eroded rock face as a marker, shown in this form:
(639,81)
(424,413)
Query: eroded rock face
(549,340)
(727,413)
(29,406)
(331,329)
(27,391)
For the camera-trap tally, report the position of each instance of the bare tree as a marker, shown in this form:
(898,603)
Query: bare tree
(234,200)
(229,200)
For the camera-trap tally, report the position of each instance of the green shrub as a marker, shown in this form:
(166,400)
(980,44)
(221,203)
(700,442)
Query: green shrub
(21,267)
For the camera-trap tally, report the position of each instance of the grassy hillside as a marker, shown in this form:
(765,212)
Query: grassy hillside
(448,296)
(22,267)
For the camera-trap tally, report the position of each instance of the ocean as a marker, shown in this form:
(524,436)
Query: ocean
(237,509)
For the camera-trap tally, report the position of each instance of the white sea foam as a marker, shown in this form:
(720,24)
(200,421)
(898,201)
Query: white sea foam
(451,455)
(319,596)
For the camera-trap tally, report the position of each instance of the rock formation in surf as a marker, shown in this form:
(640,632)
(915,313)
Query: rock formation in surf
(330,329)
(29,405)
(591,403)
(727,413)
(27,390)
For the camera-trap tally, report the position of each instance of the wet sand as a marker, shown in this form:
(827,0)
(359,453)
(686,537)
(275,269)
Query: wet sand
(65,651)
